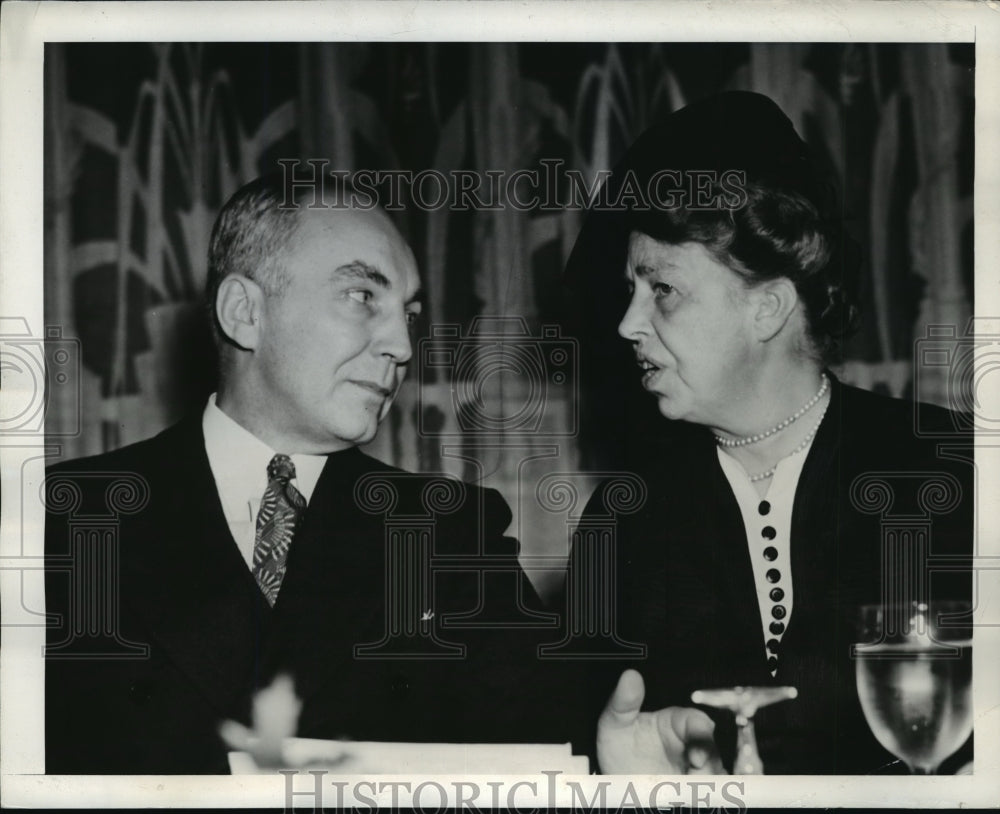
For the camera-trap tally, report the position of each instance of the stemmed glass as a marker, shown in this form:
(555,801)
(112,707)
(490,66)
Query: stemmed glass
(744,702)
(914,675)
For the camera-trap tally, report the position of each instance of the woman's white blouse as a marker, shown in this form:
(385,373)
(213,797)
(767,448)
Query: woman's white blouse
(768,523)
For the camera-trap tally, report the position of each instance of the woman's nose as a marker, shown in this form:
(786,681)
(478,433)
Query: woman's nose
(632,324)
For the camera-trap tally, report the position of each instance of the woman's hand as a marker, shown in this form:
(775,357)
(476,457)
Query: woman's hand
(675,740)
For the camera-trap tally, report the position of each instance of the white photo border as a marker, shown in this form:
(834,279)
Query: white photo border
(25,27)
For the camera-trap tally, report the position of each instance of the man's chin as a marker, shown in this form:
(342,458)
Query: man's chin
(363,424)
(384,410)
(361,435)
(341,434)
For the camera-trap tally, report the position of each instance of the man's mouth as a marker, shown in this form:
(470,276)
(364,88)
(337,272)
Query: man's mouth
(374,387)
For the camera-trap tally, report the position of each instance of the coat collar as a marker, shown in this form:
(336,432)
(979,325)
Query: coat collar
(809,568)
(325,601)
(183,573)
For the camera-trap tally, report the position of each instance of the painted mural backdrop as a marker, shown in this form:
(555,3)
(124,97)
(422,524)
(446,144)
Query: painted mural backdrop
(143,142)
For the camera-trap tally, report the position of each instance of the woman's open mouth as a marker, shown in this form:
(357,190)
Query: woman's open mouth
(649,370)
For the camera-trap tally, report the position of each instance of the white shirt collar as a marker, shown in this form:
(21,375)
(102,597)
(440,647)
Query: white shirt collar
(239,460)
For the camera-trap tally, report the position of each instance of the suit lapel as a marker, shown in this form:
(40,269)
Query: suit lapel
(187,578)
(711,601)
(737,588)
(329,600)
(814,519)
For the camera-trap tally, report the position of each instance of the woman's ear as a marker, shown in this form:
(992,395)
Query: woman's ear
(238,306)
(776,302)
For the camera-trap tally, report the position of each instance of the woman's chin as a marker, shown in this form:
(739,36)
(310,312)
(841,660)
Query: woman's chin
(670,408)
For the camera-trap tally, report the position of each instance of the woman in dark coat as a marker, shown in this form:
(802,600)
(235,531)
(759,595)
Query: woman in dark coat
(790,499)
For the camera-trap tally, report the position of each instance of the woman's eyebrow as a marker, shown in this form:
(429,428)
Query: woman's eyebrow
(360,270)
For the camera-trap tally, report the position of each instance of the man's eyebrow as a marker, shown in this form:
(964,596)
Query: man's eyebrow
(643,270)
(363,271)
(360,270)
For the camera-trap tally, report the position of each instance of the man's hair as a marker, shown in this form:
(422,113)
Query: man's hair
(256,225)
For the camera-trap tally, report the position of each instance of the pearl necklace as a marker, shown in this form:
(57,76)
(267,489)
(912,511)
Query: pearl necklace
(753,439)
(767,473)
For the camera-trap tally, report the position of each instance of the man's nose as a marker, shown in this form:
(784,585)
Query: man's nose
(395,340)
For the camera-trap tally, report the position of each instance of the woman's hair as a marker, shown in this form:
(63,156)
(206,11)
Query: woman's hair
(774,231)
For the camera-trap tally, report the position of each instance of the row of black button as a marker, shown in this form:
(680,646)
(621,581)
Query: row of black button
(773,575)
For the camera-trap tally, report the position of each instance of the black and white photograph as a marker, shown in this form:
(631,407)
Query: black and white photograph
(427,404)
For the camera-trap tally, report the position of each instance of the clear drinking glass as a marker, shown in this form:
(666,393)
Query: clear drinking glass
(914,675)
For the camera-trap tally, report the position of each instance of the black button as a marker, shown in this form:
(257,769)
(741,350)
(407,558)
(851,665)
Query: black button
(772,645)
(777,594)
(778,611)
(772,663)
(768,533)
(777,628)
(764,507)
(770,553)
(773,575)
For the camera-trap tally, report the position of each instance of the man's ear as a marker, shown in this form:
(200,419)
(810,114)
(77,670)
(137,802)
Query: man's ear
(238,306)
(776,302)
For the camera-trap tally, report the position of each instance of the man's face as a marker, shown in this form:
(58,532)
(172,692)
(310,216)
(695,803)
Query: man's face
(334,344)
(689,321)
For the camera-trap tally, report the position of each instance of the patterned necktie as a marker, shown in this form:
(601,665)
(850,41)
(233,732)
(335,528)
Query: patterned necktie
(281,509)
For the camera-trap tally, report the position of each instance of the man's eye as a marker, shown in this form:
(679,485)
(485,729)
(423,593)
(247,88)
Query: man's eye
(412,317)
(362,295)
(663,289)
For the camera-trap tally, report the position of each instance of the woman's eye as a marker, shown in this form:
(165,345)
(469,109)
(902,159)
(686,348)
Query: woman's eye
(412,317)
(663,289)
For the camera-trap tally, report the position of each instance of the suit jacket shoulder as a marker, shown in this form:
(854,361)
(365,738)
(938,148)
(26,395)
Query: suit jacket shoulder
(194,638)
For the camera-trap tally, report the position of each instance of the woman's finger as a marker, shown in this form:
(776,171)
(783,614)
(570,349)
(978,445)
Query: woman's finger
(695,732)
(625,702)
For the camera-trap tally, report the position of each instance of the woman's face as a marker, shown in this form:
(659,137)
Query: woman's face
(690,322)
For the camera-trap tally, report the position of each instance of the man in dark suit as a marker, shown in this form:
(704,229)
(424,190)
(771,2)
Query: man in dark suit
(255,539)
